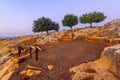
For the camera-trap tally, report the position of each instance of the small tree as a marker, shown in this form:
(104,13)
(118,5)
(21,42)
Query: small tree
(70,20)
(92,17)
(55,26)
(44,24)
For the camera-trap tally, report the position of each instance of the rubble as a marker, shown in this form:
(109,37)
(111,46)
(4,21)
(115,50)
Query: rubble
(8,68)
(50,67)
(54,37)
(30,72)
(33,67)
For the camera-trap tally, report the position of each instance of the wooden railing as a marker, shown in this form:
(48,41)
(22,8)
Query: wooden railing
(30,47)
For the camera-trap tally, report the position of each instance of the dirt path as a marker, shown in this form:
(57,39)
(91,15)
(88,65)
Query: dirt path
(63,56)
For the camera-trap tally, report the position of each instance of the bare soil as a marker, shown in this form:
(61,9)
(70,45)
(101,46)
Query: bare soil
(63,56)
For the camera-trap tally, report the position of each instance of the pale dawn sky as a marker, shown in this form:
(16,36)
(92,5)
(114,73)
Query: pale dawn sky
(17,16)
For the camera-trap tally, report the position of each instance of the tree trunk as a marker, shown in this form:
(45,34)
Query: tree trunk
(47,31)
(72,33)
(71,28)
(90,25)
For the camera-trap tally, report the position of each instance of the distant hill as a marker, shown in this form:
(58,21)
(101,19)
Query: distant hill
(3,37)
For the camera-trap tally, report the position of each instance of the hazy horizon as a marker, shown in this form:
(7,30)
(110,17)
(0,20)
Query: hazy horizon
(17,16)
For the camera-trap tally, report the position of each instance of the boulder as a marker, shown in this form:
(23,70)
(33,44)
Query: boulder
(54,37)
(105,68)
(113,23)
(110,29)
(115,32)
(4,58)
(78,35)
(109,32)
(8,68)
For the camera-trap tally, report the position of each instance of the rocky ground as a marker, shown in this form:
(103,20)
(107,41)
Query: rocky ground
(104,68)
(62,56)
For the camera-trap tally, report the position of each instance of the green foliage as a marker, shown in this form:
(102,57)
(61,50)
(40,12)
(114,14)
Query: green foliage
(45,24)
(92,17)
(55,26)
(70,20)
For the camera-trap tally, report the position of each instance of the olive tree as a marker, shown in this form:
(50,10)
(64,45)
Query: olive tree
(44,24)
(94,17)
(70,20)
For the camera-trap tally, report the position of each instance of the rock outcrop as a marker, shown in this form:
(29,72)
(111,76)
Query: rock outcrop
(54,37)
(110,32)
(105,68)
(113,23)
(8,66)
(115,32)
(4,58)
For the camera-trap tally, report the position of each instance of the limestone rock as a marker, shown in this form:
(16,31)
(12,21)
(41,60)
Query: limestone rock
(4,58)
(105,68)
(30,72)
(8,68)
(50,67)
(54,37)
(7,76)
(105,76)
(83,76)
(115,32)
(33,67)
(113,23)
(23,72)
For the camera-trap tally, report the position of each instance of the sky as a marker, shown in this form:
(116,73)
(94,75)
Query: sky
(17,16)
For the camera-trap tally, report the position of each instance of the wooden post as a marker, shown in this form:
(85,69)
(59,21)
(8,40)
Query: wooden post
(20,48)
(30,52)
(36,54)
(19,52)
